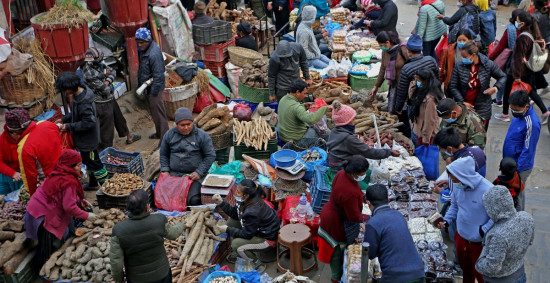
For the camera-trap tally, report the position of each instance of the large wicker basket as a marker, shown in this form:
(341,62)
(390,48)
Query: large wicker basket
(222,141)
(18,90)
(240,56)
(172,106)
(254,95)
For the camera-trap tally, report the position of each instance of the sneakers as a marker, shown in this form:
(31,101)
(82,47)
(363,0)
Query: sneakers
(497,103)
(502,117)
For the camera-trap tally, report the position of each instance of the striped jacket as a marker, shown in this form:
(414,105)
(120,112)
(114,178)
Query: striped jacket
(521,140)
(407,75)
(428,26)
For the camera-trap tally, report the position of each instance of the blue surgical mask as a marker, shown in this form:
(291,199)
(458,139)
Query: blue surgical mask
(418,84)
(450,120)
(460,44)
(360,178)
(459,186)
(467,61)
(238,199)
(516,24)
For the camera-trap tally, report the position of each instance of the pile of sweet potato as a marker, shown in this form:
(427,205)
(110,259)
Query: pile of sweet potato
(215,121)
(255,75)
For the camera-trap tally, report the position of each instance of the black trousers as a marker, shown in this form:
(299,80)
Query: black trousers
(96,171)
(110,118)
(194,194)
(531,80)
(406,127)
(281,19)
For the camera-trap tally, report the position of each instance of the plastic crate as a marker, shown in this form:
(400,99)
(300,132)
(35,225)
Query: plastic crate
(134,166)
(106,202)
(358,83)
(222,250)
(252,105)
(215,52)
(222,155)
(24,273)
(215,32)
(217,68)
(250,151)
(320,190)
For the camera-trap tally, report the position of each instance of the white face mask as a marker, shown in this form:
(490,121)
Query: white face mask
(459,4)
(360,178)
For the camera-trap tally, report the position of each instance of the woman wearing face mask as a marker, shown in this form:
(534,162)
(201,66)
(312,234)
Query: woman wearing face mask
(451,56)
(424,94)
(345,204)
(508,40)
(518,71)
(253,225)
(471,79)
(394,56)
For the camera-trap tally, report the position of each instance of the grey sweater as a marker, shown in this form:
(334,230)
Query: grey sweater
(304,33)
(342,144)
(181,154)
(506,243)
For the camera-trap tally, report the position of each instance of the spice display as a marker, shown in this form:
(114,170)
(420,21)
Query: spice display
(122,184)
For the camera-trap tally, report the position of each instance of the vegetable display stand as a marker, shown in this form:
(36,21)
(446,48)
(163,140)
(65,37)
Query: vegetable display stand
(66,45)
(215,32)
(358,83)
(25,272)
(177,97)
(254,95)
(258,154)
(222,155)
(241,56)
(17,89)
(217,68)
(129,162)
(216,52)
(106,202)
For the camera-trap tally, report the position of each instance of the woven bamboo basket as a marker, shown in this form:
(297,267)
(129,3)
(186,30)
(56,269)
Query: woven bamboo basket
(172,106)
(240,56)
(222,141)
(18,90)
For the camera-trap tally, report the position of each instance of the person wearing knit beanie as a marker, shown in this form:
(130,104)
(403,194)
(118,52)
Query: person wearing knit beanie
(342,143)
(200,17)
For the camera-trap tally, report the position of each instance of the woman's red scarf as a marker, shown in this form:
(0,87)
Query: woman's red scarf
(63,175)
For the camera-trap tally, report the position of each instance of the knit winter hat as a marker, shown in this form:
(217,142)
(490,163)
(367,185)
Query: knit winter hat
(182,114)
(342,114)
(69,157)
(17,119)
(414,43)
(199,8)
(144,34)
(93,55)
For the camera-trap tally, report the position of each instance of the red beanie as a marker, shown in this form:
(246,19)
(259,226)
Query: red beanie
(342,114)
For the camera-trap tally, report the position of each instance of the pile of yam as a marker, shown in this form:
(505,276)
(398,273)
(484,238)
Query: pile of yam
(255,75)
(13,210)
(85,258)
(215,10)
(14,245)
(240,16)
(331,91)
(122,184)
(190,257)
(215,121)
(255,133)
(385,121)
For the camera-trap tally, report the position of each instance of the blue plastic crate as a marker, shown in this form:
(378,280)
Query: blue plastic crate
(134,162)
(320,189)
(274,105)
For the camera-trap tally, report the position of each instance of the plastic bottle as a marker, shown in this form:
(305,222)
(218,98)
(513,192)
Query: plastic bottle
(301,209)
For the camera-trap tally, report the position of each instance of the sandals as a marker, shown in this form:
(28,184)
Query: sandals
(134,139)
(154,136)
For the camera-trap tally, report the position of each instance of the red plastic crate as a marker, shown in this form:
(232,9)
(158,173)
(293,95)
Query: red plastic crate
(216,52)
(217,68)
(337,79)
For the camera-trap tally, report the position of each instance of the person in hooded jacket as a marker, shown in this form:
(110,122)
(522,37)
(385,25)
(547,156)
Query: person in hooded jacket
(388,17)
(83,125)
(244,39)
(252,225)
(283,68)
(505,245)
(469,214)
(510,178)
(342,143)
(55,203)
(306,38)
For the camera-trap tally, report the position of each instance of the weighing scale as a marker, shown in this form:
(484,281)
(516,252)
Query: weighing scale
(294,169)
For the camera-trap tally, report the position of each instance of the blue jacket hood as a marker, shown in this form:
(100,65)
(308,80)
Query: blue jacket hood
(464,169)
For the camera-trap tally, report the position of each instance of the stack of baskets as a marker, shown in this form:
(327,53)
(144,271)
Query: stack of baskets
(18,92)
(182,96)
(222,145)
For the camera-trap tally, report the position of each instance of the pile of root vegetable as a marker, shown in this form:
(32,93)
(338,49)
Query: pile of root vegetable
(255,133)
(255,75)
(215,10)
(240,16)
(12,210)
(13,247)
(189,257)
(122,184)
(385,121)
(331,91)
(85,258)
(385,139)
(215,121)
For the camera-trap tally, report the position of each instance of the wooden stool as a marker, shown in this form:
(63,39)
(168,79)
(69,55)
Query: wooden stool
(295,237)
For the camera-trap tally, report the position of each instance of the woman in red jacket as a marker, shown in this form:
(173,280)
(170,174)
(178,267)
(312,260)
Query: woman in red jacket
(55,203)
(10,178)
(345,204)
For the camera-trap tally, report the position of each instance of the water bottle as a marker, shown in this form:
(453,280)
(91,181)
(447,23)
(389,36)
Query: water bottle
(301,209)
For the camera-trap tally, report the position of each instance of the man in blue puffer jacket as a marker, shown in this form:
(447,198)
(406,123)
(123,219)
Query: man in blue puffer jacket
(522,138)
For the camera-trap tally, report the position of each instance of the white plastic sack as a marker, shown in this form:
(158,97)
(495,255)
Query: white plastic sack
(380,171)
(177,28)
(233,74)
(346,62)
(400,148)
(332,69)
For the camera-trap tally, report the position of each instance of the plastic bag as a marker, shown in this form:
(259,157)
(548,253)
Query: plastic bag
(321,127)
(441,47)
(521,86)
(233,74)
(429,156)
(317,103)
(251,276)
(310,166)
(242,112)
(331,69)
(244,265)
(342,70)
(18,62)
(171,192)
(232,168)
(380,171)
(217,274)
(403,151)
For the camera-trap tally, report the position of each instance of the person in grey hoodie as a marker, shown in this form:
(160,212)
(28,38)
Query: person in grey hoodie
(306,38)
(283,68)
(505,244)
(186,149)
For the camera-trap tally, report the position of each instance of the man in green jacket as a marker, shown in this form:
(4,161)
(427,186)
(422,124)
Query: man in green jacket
(137,243)
(295,122)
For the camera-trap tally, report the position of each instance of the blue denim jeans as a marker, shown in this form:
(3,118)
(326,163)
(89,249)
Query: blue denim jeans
(324,49)
(320,63)
(522,279)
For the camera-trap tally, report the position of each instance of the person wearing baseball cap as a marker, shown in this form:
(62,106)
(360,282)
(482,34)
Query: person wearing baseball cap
(244,39)
(24,154)
(151,66)
(99,78)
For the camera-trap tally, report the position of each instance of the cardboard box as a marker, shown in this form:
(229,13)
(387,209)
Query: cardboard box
(173,79)
(120,89)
